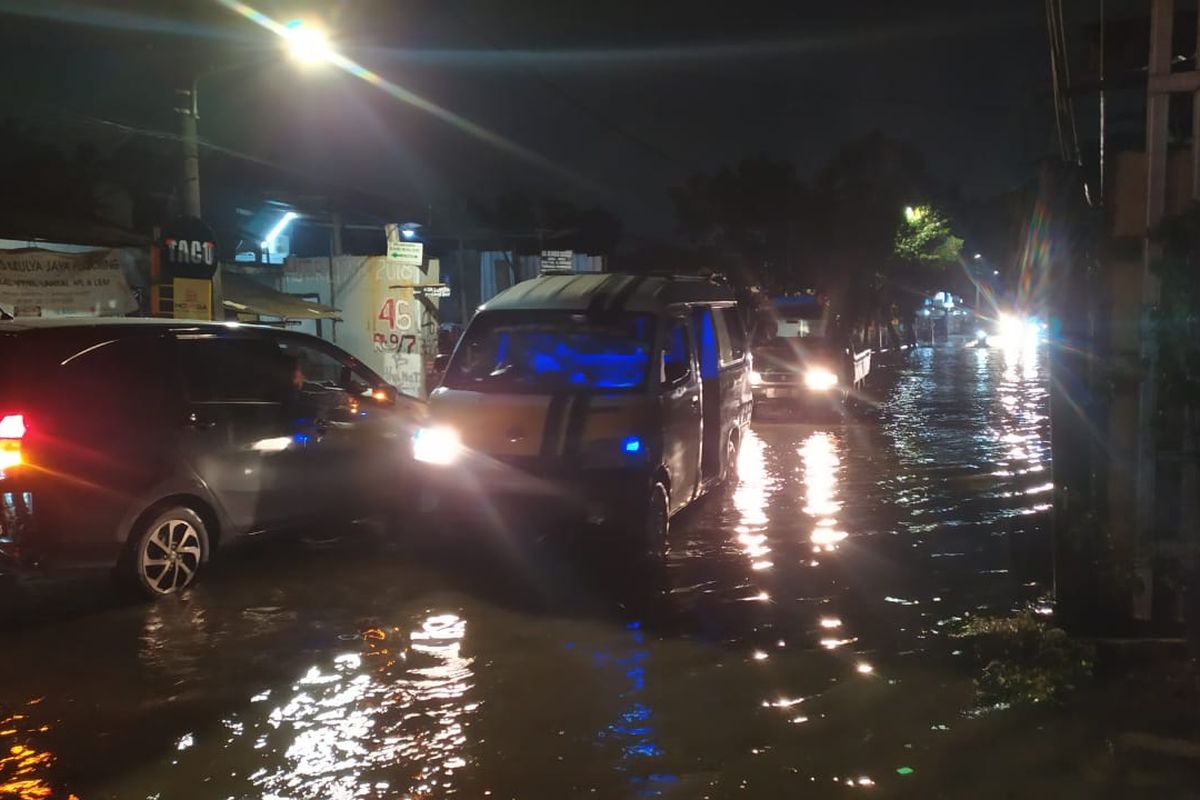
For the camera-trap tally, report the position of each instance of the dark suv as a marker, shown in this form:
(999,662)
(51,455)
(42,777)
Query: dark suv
(146,444)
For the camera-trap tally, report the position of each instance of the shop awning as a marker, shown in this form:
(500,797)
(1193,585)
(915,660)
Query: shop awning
(245,295)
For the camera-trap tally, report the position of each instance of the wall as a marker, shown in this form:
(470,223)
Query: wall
(1127,193)
(384,324)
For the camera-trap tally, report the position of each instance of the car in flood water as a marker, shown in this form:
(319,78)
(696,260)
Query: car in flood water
(613,399)
(803,360)
(146,445)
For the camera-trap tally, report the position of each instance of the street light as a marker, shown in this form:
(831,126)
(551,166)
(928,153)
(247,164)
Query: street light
(307,43)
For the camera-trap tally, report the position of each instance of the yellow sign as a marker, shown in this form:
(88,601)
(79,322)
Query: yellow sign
(193,298)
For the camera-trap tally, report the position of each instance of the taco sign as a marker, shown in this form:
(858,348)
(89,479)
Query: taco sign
(190,249)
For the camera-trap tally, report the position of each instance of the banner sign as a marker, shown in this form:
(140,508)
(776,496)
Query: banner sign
(44,283)
(440,290)
(558,261)
(193,298)
(408,253)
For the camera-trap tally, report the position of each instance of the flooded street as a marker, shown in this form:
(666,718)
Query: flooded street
(798,644)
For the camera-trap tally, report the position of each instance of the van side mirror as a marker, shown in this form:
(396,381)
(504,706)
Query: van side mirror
(674,371)
(437,371)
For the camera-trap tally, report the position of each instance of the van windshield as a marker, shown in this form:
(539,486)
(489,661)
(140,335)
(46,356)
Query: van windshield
(541,352)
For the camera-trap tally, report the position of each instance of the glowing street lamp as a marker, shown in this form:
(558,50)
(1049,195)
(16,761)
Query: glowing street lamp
(308,43)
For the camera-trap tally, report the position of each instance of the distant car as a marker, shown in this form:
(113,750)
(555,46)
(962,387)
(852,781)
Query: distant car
(147,445)
(802,358)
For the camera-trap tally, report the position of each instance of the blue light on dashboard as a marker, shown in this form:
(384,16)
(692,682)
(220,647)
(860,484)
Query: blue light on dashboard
(632,444)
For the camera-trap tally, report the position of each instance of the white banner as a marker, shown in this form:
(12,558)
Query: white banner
(42,283)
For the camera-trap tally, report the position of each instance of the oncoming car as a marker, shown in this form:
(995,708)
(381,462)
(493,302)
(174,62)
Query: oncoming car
(802,357)
(614,400)
(147,445)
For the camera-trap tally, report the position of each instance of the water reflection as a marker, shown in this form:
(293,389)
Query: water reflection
(633,730)
(1019,432)
(751,499)
(970,428)
(24,766)
(821,465)
(386,719)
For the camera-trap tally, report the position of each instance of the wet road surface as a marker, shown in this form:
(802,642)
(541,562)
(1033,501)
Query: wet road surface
(797,644)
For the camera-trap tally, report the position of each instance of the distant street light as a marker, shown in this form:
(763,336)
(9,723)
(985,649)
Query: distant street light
(978,256)
(995,272)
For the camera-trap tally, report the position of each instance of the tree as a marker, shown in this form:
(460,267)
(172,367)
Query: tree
(844,233)
(748,217)
(924,236)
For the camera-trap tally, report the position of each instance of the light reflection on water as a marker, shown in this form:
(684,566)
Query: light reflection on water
(962,451)
(387,719)
(821,467)
(24,766)
(751,499)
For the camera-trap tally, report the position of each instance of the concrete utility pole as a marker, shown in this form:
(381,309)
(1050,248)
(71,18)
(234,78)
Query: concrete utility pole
(188,109)
(1162,17)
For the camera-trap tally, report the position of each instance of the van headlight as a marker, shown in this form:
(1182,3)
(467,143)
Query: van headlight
(755,378)
(439,445)
(820,379)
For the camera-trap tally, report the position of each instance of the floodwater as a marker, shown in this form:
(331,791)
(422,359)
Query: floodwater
(797,645)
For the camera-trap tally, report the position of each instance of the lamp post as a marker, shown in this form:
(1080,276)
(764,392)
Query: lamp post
(306,43)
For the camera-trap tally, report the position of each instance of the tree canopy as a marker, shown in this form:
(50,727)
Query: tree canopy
(844,231)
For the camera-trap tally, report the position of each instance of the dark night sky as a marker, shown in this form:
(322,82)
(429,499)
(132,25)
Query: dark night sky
(628,96)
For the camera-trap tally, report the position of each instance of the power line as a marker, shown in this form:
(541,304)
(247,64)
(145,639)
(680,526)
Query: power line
(1060,81)
(59,115)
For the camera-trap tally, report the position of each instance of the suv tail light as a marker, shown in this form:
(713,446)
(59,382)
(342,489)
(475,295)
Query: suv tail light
(12,431)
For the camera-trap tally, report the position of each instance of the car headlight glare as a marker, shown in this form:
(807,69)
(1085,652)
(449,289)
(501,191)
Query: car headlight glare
(820,379)
(440,445)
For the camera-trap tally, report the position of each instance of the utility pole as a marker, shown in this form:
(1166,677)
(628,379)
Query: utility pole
(1162,16)
(188,109)
(335,250)
(462,286)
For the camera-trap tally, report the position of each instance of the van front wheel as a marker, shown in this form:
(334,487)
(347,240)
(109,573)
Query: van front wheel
(656,524)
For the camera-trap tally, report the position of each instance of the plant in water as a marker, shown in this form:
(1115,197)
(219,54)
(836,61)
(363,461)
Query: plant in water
(1024,659)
